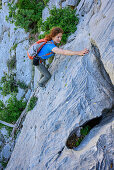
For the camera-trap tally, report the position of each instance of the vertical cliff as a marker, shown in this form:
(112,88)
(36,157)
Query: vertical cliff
(13,46)
(80,92)
(13,61)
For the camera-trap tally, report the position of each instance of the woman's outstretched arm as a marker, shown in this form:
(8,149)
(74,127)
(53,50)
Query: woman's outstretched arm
(69,52)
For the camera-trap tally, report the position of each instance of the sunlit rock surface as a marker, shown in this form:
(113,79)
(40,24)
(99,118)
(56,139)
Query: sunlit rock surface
(14,43)
(79,90)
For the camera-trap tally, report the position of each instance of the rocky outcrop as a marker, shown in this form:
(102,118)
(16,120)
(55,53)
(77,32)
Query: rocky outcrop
(14,43)
(99,18)
(51,3)
(80,90)
(72,2)
(6,147)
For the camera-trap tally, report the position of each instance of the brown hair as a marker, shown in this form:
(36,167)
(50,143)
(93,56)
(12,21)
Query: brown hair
(54,31)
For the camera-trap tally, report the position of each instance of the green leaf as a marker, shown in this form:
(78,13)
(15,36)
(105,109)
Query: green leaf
(65,17)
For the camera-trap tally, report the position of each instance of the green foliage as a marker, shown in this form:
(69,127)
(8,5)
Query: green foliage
(4,163)
(32,103)
(0,4)
(9,129)
(50,60)
(14,46)
(84,131)
(11,111)
(78,141)
(64,18)
(2,106)
(45,2)
(22,85)
(74,140)
(11,63)
(8,83)
(26,14)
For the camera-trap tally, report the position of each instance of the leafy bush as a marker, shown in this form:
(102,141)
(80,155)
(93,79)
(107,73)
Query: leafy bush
(50,60)
(84,131)
(45,2)
(32,103)
(26,13)
(8,83)
(11,111)
(74,140)
(4,163)
(0,4)
(11,63)
(14,46)
(22,85)
(2,106)
(64,18)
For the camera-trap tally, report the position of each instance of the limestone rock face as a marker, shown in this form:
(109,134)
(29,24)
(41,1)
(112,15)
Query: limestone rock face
(72,2)
(6,147)
(101,30)
(14,43)
(50,5)
(99,18)
(98,15)
(79,90)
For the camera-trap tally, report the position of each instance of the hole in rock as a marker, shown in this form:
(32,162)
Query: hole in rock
(77,135)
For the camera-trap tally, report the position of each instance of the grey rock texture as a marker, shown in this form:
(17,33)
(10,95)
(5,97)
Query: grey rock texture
(9,37)
(6,147)
(101,30)
(72,2)
(51,3)
(98,15)
(80,89)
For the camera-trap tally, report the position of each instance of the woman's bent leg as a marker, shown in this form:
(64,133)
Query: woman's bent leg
(43,70)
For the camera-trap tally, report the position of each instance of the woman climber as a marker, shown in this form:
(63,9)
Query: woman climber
(51,48)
